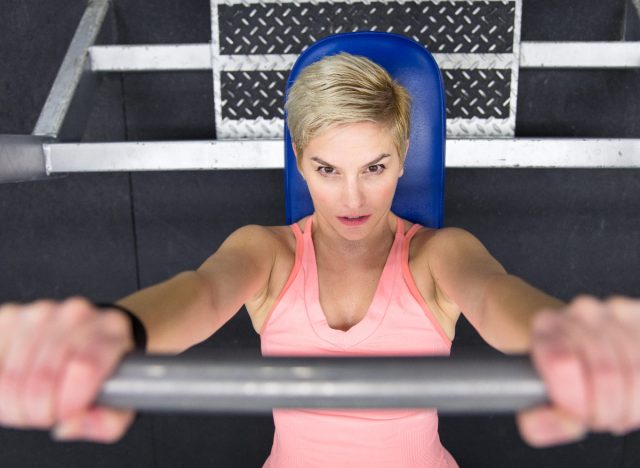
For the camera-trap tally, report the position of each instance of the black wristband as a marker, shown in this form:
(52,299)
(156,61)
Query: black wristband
(138,332)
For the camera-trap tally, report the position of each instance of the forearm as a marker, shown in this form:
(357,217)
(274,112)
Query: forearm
(177,313)
(507,310)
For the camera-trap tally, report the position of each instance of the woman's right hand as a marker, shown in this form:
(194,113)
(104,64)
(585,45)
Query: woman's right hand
(54,357)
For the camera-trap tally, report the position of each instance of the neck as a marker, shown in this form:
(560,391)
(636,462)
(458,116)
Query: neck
(374,246)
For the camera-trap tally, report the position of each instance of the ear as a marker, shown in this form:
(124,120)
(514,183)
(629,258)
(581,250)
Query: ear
(406,152)
(295,152)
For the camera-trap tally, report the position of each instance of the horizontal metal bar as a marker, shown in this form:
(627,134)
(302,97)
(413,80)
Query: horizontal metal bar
(252,384)
(133,58)
(580,55)
(544,153)
(74,74)
(176,57)
(268,154)
(172,57)
(249,2)
(165,156)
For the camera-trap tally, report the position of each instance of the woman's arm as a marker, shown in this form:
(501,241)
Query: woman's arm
(500,306)
(54,356)
(188,308)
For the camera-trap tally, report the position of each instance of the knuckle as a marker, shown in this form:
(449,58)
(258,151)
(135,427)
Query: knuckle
(41,382)
(39,312)
(42,304)
(115,323)
(77,305)
(584,300)
(584,305)
(10,314)
(75,310)
(9,402)
(77,301)
(11,379)
(38,415)
(624,308)
(606,371)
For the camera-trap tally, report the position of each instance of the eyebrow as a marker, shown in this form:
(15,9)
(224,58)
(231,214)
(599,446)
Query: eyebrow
(370,163)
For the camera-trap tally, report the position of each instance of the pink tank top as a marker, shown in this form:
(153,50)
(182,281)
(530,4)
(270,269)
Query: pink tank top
(398,322)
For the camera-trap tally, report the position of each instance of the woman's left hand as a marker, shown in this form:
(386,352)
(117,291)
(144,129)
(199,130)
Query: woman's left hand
(588,355)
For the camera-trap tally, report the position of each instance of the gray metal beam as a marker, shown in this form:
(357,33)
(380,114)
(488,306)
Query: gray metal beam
(580,55)
(268,154)
(133,58)
(68,104)
(172,57)
(242,384)
(22,158)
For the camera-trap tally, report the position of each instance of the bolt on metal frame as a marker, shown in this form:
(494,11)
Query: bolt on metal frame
(54,148)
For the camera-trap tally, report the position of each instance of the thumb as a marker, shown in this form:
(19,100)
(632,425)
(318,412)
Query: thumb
(98,424)
(544,426)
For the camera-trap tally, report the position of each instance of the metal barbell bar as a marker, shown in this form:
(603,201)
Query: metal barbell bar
(246,384)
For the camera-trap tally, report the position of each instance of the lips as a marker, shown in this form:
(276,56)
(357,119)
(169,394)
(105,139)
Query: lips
(354,220)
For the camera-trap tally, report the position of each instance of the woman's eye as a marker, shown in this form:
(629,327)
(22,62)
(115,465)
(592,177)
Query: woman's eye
(326,170)
(376,168)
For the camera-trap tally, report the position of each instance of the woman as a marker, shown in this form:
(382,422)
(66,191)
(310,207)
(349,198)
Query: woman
(351,279)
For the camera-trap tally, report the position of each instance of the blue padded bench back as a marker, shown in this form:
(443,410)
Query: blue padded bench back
(419,197)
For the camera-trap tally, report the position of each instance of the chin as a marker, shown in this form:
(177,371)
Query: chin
(355,232)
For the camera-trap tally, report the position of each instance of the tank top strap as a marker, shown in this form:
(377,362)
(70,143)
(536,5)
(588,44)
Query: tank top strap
(399,226)
(297,232)
(299,235)
(411,284)
(306,232)
(412,231)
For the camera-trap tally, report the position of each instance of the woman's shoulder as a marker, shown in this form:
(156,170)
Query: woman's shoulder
(264,237)
(428,241)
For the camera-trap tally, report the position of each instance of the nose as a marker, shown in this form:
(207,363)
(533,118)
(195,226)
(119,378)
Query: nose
(353,195)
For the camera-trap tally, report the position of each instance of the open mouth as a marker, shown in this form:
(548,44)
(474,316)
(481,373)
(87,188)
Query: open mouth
(354,220)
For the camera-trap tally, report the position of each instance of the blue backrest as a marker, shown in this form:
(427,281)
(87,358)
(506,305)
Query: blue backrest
(419,196)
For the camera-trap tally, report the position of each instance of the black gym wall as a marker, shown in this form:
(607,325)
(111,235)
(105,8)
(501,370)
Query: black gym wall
(104,235)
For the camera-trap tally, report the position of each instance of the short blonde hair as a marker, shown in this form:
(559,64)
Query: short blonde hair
(343,89)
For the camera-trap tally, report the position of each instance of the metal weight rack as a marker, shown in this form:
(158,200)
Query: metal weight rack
(475,42)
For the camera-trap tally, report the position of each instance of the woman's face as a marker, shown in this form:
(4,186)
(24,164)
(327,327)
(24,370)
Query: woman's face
(352,171)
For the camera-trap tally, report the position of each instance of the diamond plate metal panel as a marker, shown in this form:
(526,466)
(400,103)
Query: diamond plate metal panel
(452,27)
(253,94)
(477,93)
(476,43)
(480,93)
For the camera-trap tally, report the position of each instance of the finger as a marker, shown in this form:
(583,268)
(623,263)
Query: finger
(8,323)
(545,426)
(91,362)
(626,324)
(30,325)
(559,365)
(49,360)
(596,336)
(98,424)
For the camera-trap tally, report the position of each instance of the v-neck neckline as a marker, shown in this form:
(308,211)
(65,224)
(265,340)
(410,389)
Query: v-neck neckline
(377,308)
